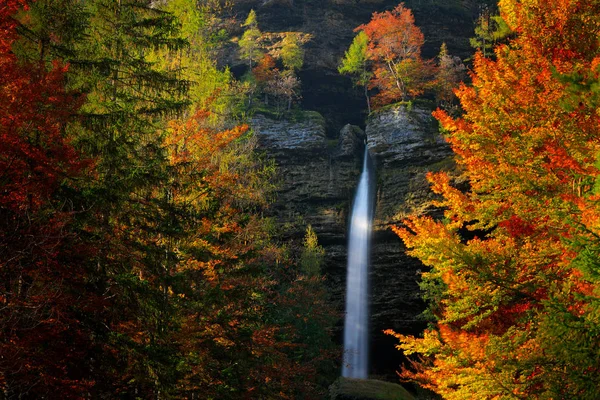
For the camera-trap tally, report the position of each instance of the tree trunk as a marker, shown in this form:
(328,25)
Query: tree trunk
(392,67)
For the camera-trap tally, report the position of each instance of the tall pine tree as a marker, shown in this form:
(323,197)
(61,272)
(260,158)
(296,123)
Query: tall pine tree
(129,98)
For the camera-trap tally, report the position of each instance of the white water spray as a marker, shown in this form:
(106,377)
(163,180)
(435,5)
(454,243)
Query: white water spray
(356,324)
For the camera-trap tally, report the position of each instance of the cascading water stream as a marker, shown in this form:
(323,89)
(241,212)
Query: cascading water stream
(356,324)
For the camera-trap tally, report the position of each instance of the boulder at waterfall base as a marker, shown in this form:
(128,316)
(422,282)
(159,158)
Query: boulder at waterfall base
(367,389)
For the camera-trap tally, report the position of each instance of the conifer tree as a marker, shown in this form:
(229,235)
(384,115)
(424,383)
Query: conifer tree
(249,43)
(50,30)
(127,97)
(489,31)
(197,64)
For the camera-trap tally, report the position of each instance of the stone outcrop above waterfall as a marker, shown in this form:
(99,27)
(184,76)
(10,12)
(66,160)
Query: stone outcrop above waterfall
(351,142)
(405,135)
(292,138)
(405,142)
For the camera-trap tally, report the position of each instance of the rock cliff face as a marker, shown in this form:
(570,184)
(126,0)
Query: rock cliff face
(405,142)
(318,179)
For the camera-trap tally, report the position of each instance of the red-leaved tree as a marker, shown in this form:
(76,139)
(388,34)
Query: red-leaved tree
(42,340)
(395,49)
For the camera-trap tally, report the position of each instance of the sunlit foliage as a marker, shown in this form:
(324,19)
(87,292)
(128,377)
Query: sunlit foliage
(513,284)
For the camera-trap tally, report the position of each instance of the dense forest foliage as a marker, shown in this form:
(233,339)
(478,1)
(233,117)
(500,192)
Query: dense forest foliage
(385,59)
(137,258)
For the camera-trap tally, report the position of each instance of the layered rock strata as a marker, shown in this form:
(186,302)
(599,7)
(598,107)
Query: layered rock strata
(317,178)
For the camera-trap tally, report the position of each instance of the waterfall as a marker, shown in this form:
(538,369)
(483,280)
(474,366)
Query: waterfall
(356,329)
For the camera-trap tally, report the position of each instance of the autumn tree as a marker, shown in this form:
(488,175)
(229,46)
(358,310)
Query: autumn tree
(284,88)
(513,284)
(265,74)
(356,64)
(43,337)
(279,85)
(284,85)
(239,292)
(219,287)
(395,49)
(274,61)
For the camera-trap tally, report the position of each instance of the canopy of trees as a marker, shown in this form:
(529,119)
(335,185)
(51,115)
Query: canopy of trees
(385,57)
(273,79)
(134,258)
(513,285)
(395,50)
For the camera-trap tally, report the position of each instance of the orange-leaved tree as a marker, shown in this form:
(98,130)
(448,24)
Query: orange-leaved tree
(213,278)
(395,50)
(514,279)
(266,74)
(235,289)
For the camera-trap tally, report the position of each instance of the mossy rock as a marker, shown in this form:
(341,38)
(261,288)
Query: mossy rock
(367,389)
(409,105)
(296,114)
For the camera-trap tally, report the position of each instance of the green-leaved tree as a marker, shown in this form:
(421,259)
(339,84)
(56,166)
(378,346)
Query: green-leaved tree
(356,64)
(489,31)
(292,53)
(249,43)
